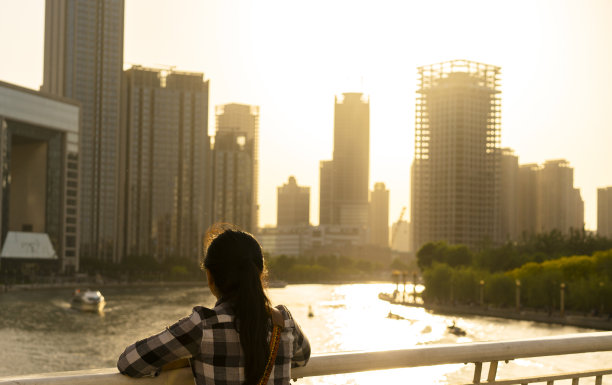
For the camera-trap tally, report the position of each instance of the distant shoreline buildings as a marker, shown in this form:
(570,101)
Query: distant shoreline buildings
(352,220)
(604,211)
(293,205)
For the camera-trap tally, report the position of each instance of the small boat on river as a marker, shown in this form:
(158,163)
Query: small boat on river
(456,330)
(87,300)
(394,316)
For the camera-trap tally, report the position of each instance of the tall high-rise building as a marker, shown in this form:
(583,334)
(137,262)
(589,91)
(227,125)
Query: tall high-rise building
(166,148)
(560,206)
(351,160)
(379,215)
(528,188)
(456,168)
(509,195)
(235,166)
(83,60)
(293,205)
(326,182)
(604,211)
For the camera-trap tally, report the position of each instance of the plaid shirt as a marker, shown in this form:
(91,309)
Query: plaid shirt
(208,337)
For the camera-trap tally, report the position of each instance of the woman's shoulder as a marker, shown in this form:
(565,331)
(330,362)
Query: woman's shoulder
(218,314)
(286,315)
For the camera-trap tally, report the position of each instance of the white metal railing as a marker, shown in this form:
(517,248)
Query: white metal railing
(320,365)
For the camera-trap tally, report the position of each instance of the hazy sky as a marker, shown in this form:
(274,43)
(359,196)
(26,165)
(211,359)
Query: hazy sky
(292,57)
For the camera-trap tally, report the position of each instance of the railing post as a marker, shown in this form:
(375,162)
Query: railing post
(492,371)
(477,372)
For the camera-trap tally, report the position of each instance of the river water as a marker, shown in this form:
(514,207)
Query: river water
(40,333)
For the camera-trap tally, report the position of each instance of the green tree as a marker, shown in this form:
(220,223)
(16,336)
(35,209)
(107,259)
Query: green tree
(437,282)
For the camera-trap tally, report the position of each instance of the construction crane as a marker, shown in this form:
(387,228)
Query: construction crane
(401,216)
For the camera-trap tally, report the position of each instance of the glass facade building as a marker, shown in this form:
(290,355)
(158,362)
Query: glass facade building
(83,61)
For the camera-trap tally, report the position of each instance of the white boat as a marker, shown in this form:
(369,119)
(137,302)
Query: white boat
(88,300)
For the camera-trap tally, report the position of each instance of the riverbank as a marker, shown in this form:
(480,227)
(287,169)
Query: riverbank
(93,284)
(569,318)
(104,284)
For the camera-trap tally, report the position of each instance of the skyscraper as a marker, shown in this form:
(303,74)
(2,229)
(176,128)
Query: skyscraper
(559,203)
(547,199)
(83,61)
(379,215)
(293,205)
(509,195)
(528,188)
(235,166)
(456,167)
(326,182)
(604,212)
(166,128)
(351,160)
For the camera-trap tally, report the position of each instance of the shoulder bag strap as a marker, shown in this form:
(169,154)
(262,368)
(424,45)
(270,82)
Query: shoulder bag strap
(274,343)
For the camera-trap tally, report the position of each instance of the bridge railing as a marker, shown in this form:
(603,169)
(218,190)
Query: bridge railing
(474,354)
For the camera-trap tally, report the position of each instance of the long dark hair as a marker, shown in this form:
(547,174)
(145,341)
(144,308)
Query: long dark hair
(235,261)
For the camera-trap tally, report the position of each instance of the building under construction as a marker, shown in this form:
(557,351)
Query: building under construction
(455,175)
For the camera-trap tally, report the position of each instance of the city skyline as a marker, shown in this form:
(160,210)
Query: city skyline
(555,78)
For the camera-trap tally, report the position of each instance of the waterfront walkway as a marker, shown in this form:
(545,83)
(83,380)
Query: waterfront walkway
(569,318)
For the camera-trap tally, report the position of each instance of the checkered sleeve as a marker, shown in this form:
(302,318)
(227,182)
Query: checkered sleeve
(301,346)
(147,356)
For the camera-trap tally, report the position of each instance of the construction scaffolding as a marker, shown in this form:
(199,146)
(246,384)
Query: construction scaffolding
(456,171)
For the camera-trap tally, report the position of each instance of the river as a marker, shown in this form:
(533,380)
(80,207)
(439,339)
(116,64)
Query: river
(40,333)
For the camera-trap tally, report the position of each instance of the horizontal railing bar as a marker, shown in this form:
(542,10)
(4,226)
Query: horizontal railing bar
(339,363)
(456,353)
(552,377)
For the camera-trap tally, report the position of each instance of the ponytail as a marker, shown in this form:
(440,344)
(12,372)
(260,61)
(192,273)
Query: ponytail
(235,260)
